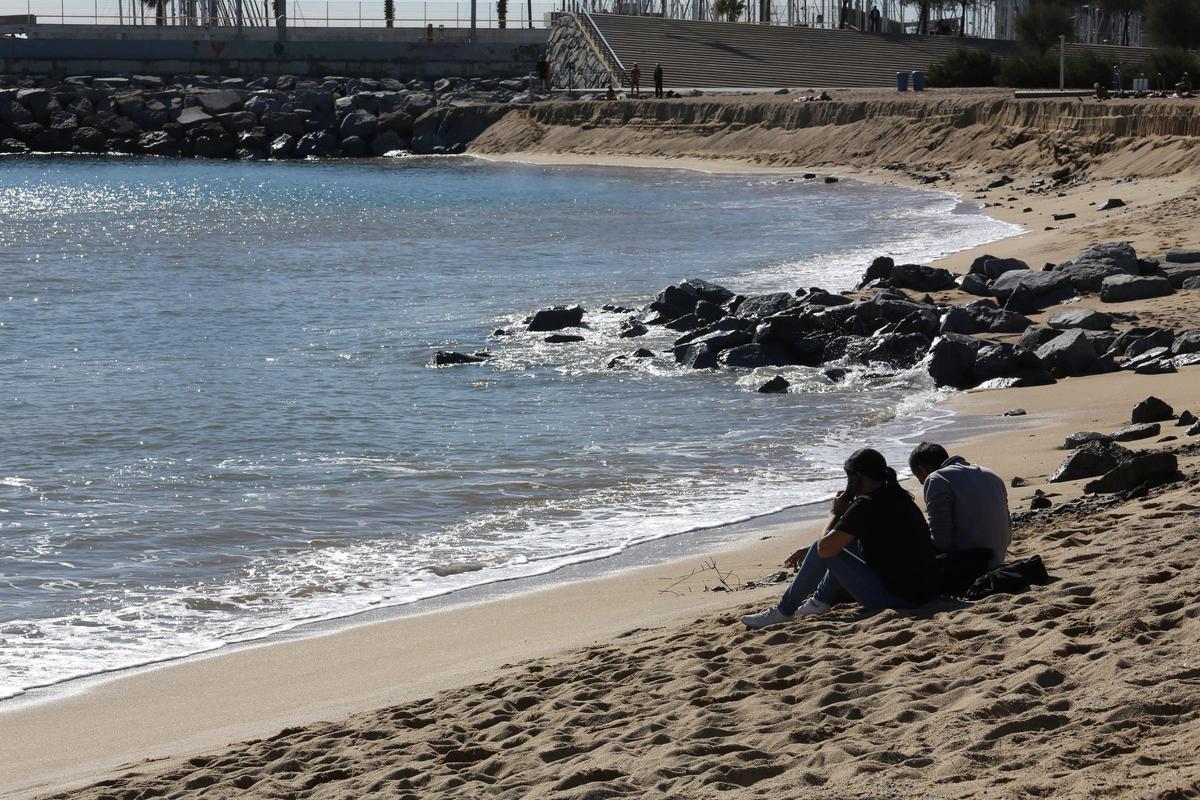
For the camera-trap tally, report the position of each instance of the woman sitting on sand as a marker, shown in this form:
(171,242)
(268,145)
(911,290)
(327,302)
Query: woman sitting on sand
(877,548)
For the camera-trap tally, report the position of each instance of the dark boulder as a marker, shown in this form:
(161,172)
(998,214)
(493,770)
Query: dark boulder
(88,140)
(1003,360)
(1144,469)
(1152,409)
(353,147)
(921,278)
(675,301)
(1182,256)
(220,102)
(1132,433)
(158,143)
(1083,437)
(445,358)
(1085,318)
(1123,288)
(766,305)
(562,338)
(387,142)
(1043,288)
(1136,341)
(360,123)
(974,284)
(1186,342)
(556,318)
(1071,354)
(880,270)
(777,385)
(1111,203)
(726,324)
(1037,335)
(700,355)
(632,328)
(981,319)
(992,267)
(899,349)
(278,123)
(1088,270)
(238,121)
(716,341)
(752,356)
(284,146)
(821,298)
(952,360)
(1185,419)
(320,144)
(1179,274)
(1091,459)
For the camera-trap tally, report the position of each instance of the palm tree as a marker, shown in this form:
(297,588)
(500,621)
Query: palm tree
(729,9)
(389,12)
(160,10)
(502,13)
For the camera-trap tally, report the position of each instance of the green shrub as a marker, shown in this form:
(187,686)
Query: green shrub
(966,66)
(1171,63)
(1032,70)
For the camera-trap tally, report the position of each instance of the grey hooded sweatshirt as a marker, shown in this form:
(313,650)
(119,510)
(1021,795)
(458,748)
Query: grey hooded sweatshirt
(968,507)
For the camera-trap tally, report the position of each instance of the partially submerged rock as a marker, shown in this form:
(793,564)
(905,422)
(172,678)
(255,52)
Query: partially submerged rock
(556,318)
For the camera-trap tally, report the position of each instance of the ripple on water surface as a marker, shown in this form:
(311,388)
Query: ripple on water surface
(221,421)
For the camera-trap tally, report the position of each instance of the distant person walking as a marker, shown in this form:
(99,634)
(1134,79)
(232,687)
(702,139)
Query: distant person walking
(658,80)
(635,80)
(874,19)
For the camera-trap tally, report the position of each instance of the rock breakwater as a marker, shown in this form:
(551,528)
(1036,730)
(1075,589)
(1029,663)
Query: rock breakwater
(270,117)
(892,321)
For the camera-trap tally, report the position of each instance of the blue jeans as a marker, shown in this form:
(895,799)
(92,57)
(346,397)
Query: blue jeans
(825,578)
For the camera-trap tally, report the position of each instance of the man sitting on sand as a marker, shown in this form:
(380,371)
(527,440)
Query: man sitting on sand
(968,514)
(876,548)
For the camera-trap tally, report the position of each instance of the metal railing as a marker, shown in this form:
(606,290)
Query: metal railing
(591,32)
(256,13)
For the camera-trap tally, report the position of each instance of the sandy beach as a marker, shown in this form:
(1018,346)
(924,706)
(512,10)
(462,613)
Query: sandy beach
(643,682)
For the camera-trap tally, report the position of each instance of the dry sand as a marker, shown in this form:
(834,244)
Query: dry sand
(1089,687)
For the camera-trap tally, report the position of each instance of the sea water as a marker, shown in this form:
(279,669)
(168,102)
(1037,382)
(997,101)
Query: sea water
(219,418)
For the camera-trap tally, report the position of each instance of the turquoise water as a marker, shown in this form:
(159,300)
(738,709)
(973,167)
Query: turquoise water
(220,420)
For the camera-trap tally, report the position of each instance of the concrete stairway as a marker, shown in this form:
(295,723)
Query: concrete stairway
(733,55)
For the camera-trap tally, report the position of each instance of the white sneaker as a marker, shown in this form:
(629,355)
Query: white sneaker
(766,617)
(813,607)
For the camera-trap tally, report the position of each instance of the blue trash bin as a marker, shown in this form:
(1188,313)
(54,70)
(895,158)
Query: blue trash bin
(901,81)
(918,80)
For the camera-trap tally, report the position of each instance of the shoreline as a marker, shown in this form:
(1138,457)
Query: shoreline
(631,600)
(676,552)
(721,534)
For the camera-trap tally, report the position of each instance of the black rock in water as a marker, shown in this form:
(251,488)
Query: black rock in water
(777,385)
(562,338)
(445,358)
(632,328)
(556,318)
